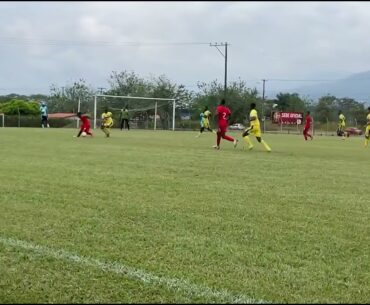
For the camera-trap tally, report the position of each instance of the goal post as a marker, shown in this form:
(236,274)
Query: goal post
(154,106)
(2,115)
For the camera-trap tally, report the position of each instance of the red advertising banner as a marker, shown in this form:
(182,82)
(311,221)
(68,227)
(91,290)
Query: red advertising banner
(287,118)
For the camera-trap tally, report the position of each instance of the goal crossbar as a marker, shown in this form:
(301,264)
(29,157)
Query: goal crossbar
(137,97)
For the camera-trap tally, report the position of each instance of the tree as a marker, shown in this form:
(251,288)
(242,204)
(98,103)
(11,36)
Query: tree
(290,102)
(66,99)
(328,106)
(239,98)
(129,84)
(16,106)
(325,109)
(32,97)
(354,111)
(162,87)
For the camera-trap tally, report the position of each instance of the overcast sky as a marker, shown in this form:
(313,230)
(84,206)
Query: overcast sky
(44,43)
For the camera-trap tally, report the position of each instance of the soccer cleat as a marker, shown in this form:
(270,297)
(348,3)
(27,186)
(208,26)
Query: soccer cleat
(235,143)
(216,147)
(250,147)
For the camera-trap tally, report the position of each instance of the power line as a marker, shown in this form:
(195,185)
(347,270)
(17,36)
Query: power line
(55,42)
(316,80)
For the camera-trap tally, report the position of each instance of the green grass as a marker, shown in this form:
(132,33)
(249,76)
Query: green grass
(283,227)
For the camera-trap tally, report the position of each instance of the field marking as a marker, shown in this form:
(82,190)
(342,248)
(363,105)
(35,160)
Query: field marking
(137,274)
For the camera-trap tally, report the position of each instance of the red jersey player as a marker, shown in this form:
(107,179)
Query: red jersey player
(85,127)
(223,113)
(307,126)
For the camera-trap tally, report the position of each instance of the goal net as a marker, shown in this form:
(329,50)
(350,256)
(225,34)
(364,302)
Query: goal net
(143,112)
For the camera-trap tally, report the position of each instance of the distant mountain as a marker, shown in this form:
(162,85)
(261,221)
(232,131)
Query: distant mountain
(356,86)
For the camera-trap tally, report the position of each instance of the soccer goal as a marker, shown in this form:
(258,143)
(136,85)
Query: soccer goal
(2,115)
(144,112)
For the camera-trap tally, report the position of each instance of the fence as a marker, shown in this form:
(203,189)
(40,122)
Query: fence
(327,129)
(143,123)
(322,129)
(35,121)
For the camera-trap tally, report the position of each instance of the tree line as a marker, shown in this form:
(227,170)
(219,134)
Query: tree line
(239,97)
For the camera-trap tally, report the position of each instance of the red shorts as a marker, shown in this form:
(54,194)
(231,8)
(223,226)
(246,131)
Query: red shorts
(222,127)
(85,128)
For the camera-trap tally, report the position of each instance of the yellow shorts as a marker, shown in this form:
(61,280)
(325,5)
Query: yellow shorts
(108,124)
(255,130)
(367,131)
(206,123)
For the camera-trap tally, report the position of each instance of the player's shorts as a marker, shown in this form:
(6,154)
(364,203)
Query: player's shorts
(206,124)
(367,131)
(253,130)
(202,124)
(222,128)
(85,128)
(107,124)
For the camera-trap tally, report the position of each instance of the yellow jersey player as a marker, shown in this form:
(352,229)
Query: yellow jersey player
(367,131)
(204,121)
(107,122)
(341,125)
(254,129)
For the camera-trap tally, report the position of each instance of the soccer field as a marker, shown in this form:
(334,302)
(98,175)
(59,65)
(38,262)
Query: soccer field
(162,217)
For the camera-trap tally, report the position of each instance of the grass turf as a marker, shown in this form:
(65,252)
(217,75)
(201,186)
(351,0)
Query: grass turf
(283,227)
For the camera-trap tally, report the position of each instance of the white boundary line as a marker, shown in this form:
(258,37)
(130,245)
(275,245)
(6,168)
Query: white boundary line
(136,274)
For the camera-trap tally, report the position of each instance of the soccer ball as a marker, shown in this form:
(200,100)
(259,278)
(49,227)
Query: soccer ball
(83,134)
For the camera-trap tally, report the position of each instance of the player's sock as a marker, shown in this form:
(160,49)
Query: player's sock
(366,142)
(218,139)
(265,145)
(248,141)
(235,143)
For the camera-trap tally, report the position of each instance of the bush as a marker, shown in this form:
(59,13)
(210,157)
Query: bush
(15,107)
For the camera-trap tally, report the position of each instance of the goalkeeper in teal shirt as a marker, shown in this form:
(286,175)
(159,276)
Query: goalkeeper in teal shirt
(44,115)
(125,119)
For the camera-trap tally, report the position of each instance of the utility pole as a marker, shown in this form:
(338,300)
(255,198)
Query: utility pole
(224,56)
(101,90)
